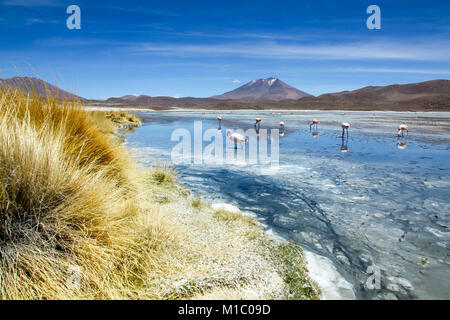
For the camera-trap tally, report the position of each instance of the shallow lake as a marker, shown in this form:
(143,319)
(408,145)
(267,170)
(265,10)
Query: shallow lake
(374,204)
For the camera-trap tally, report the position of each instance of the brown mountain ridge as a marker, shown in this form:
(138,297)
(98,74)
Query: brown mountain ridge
(431,95)
(271,89)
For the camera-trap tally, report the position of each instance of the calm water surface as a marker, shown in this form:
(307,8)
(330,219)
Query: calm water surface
(385,202)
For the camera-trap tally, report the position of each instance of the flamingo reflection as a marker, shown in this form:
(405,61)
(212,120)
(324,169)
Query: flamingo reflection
(401,144)
(344,144)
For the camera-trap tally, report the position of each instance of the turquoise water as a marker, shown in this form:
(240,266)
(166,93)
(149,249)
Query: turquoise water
(384,202)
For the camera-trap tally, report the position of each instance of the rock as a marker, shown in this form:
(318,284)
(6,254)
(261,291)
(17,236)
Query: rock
(226,207)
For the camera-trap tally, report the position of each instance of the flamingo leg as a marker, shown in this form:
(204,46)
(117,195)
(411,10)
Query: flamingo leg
(235,144)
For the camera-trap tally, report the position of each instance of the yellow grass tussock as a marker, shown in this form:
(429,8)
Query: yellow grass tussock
(68,203)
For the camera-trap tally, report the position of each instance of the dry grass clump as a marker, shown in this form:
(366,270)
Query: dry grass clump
(227,216)
(196,203)
(163,174)
(69,200)
(109,121)
(123,118)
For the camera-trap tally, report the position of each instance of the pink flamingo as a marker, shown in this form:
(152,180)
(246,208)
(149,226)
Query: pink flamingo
(345,126)
(219,118)
(282,128)
(257,124)
(402,128)
(314,123)
(236,137)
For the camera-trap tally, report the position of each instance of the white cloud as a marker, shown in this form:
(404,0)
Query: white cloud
(391,70)
(32,3)
(237,81)
(389,50)
(31,21)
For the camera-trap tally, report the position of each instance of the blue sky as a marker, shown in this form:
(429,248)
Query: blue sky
(203,48)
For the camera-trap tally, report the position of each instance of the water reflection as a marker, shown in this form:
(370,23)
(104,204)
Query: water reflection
(344,144)
(401,143)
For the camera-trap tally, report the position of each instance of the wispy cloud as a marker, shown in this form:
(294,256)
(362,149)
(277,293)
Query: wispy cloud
(431,50)
(236,81)
(78,42)
(31,21)
(32,3)
(389,50)
(141,10)
(392,70)
(235,34)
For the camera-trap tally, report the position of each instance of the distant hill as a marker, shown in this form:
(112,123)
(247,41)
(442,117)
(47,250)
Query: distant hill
(161,102)
(263,89)
(423,96)
(38,86)
(429,95)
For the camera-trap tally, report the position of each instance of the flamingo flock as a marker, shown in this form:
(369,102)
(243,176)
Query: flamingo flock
(235,137)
